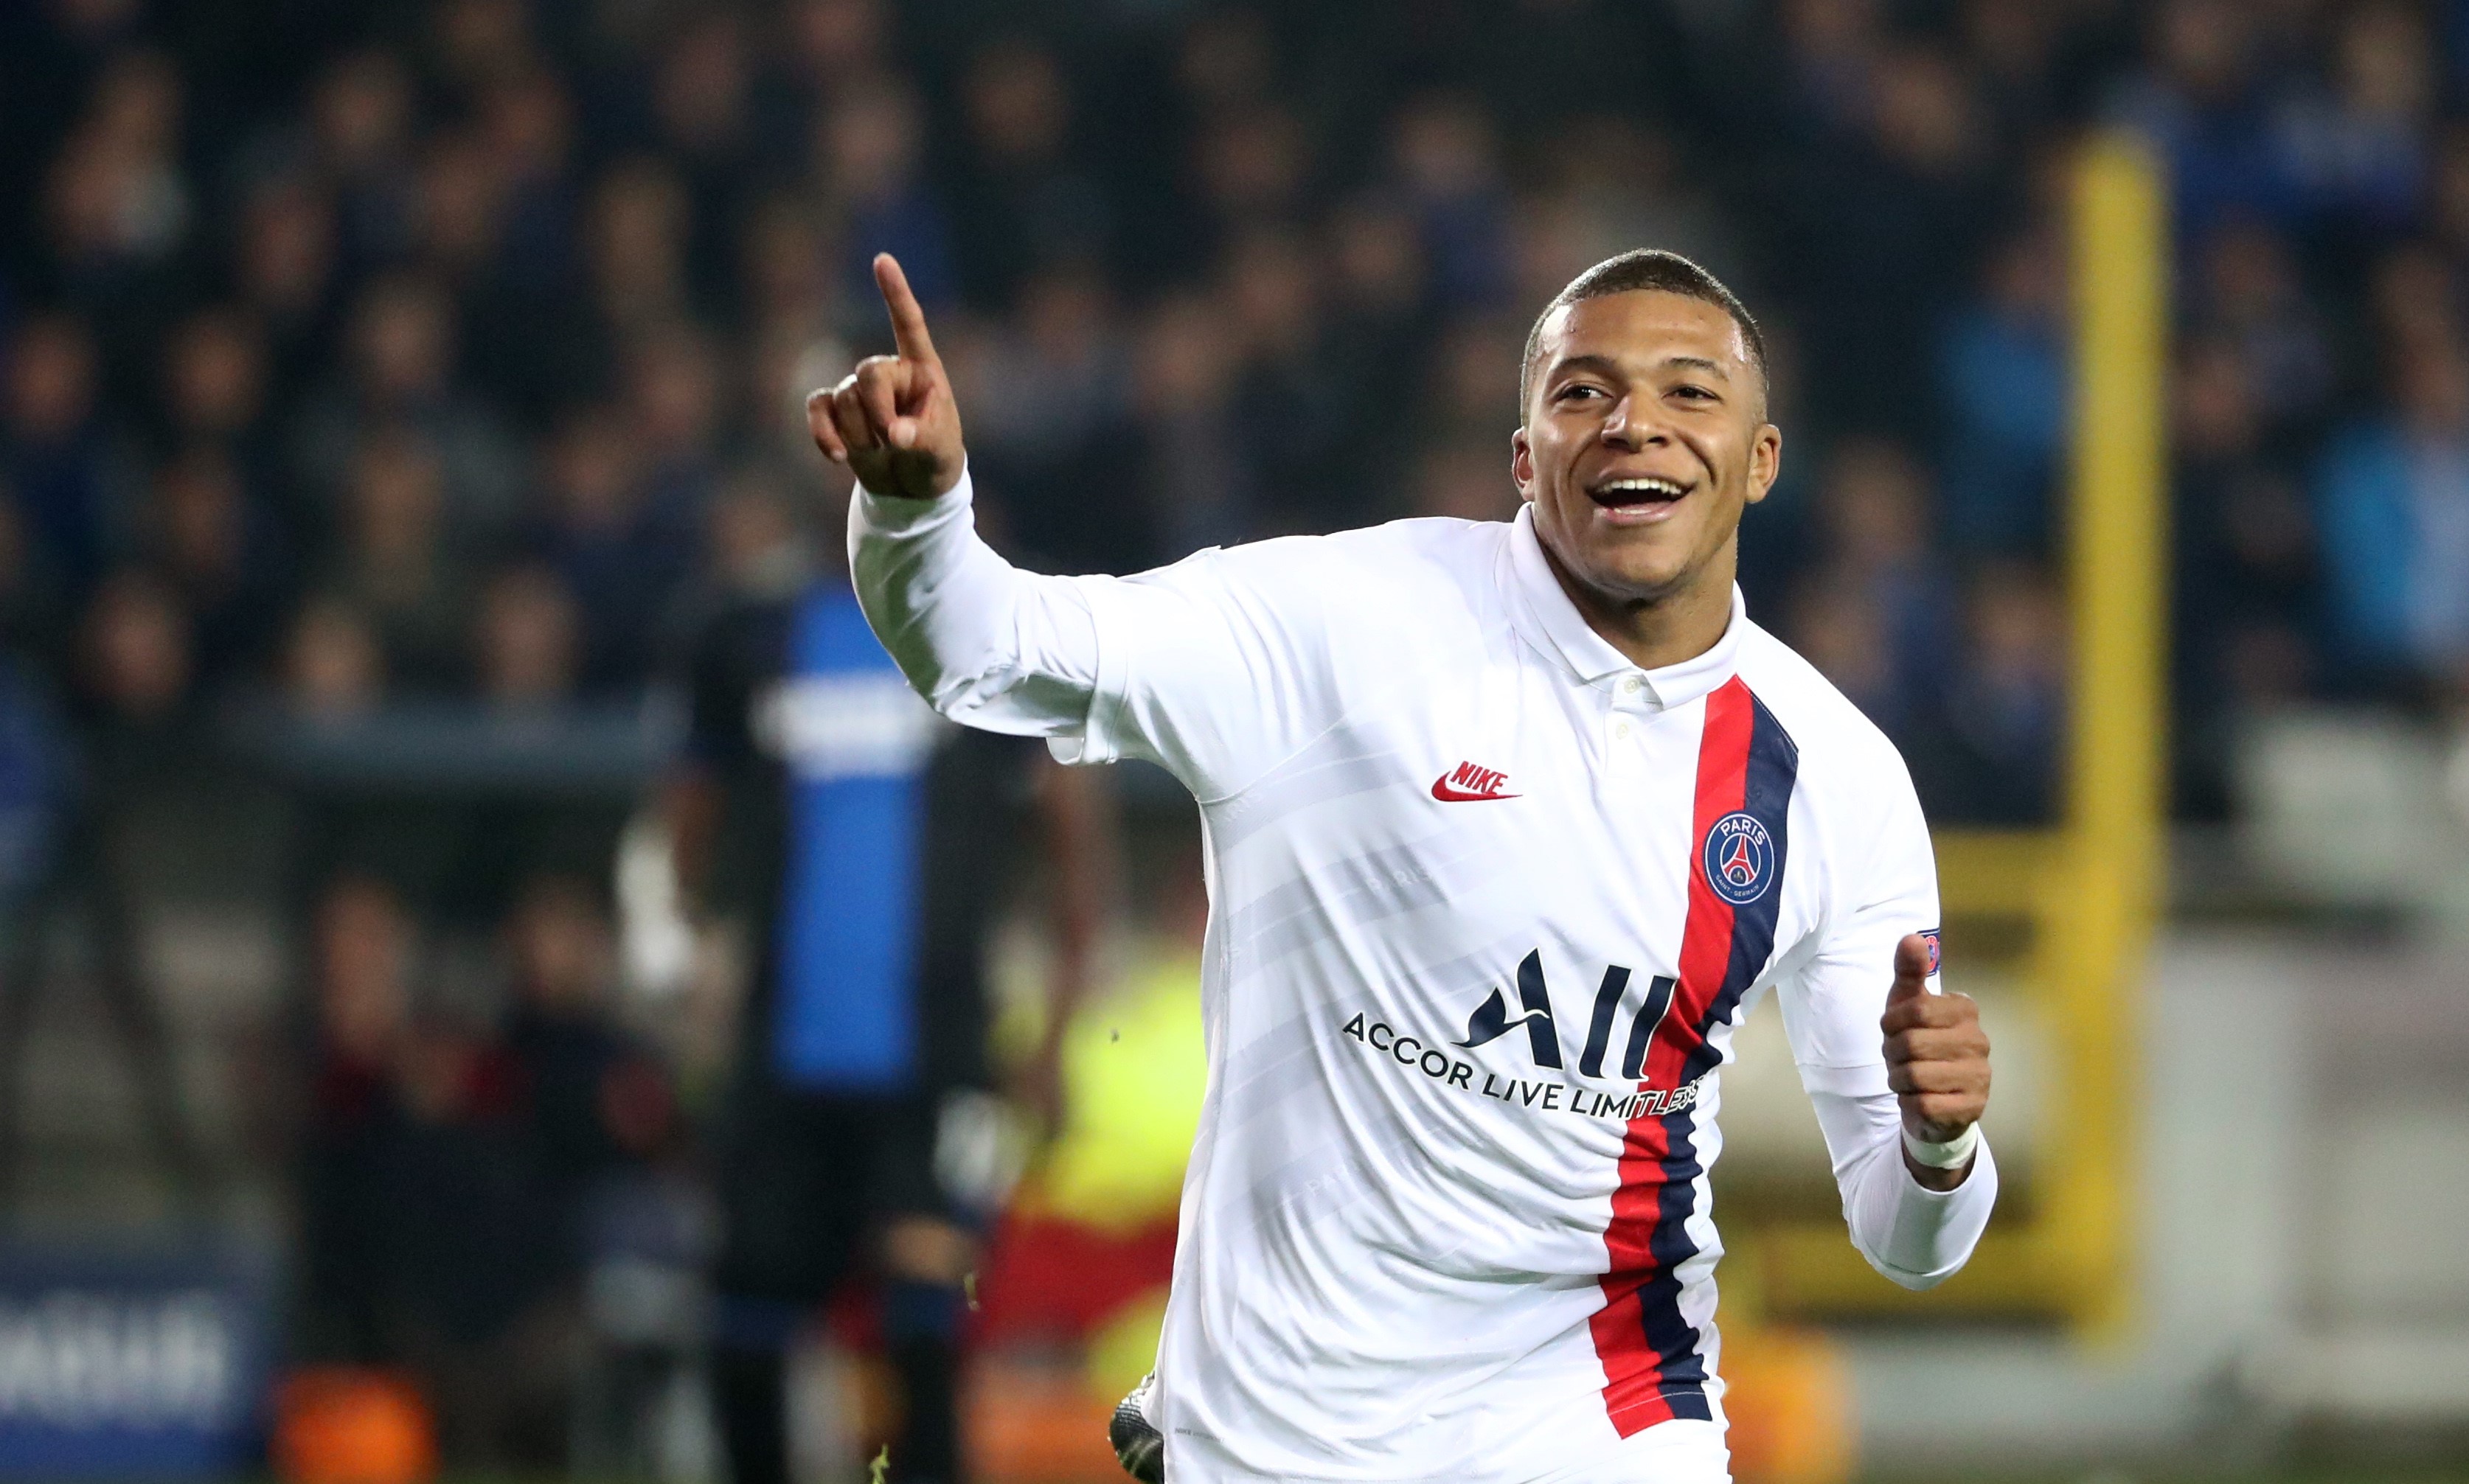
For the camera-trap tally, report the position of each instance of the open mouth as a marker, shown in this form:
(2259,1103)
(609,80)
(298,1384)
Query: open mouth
(1638,497)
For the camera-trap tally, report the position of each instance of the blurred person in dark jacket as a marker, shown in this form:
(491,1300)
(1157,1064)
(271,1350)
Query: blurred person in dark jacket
(220,549)
(283,267)
(56,452)
(594,1100)
(394,560)
(864,847)
(426,1240)
(1992,755)
(621,557)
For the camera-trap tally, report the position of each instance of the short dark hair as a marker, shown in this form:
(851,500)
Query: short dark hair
(1637,270)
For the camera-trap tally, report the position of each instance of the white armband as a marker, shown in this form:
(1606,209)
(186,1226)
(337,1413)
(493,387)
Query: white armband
(1952,1155)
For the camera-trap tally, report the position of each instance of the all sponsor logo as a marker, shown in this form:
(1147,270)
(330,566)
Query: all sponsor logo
(1492,1020)
(1739,858)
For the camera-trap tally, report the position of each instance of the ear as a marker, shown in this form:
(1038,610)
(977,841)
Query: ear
(1521,465)
(1766,459)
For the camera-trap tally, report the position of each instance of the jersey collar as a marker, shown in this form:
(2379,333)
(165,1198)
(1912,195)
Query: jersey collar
(1543,611)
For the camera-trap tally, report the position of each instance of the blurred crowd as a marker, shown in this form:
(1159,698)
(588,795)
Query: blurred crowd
(360,358)
(363,352)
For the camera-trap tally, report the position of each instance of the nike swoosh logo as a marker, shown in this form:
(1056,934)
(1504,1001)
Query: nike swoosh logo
(1451,794)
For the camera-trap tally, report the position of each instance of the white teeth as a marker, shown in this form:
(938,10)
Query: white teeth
(1659,486)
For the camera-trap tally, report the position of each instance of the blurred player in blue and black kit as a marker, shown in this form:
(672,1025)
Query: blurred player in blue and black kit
(864,844)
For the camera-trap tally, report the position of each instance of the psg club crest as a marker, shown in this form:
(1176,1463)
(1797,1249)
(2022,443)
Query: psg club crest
(1739,858)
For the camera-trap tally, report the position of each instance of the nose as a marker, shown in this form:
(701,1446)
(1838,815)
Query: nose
(1631,427)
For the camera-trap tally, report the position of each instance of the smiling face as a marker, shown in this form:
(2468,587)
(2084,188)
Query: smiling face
(1646,435)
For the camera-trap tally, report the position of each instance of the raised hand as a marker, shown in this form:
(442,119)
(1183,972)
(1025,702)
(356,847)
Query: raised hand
(892,420)
(1937,1056)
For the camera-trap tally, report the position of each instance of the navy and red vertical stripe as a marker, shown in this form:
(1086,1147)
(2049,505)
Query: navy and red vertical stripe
(1653,1366)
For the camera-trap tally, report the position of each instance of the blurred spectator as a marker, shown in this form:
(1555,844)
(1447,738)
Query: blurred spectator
(2246,603)
(1198,482)
(594,1102)
(1625,188)
(283,270)
(525,642)
(1253,164)
(1031,205)
(1993,752)
(426,1241)
(217,548)
(362,118)
(787,275)
(214,388)
(1832,47)
(361,979)
(394,561)
(870,147)
(480,43)
(1881,580)
(57,459)
(118,203)
(831,43)
(2002,381)
(1841,626)
(2392,498)
(526,120)
(622,559)
(2414,301)
(138,676)
(1448,166)
(2248,293)
(332,668)
(699,110)
(1049,428)
(2357,149)
(1291,412)
(2204,106)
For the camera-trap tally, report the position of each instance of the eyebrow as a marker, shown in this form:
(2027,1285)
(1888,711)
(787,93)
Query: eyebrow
(1607,365)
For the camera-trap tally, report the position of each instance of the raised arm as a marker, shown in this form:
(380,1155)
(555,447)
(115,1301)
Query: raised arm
(984,643)
(1214,666)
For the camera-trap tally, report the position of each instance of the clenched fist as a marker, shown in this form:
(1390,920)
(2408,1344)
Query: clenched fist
(892,420)
(1937,1059)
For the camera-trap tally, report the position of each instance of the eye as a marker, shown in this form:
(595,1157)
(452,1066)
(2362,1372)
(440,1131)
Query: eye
(1576,389)
(1694,392)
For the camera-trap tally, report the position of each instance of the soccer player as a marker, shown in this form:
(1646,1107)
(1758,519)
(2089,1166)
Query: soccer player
(1509,824)
(823,804)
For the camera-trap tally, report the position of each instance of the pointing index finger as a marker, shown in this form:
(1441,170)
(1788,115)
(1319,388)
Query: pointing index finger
(908,320)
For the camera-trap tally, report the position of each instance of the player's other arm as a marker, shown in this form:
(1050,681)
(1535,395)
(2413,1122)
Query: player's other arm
(1898,1094)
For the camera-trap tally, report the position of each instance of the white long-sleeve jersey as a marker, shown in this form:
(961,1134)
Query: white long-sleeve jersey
(1487,901)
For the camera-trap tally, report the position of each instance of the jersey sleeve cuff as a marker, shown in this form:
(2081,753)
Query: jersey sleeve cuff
(894,514)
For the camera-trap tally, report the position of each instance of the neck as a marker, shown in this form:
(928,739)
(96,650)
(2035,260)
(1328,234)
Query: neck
(1668,628)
